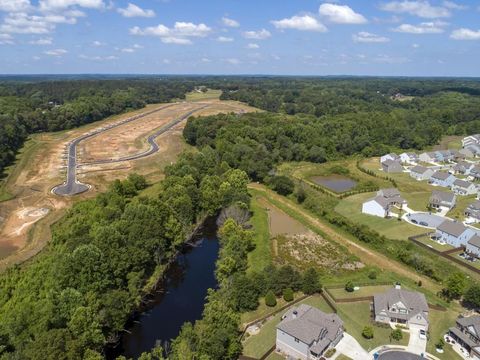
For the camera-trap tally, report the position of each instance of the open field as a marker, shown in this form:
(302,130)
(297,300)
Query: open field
(261,256)
(40,166)
(200,96)
(341,293)
(449,142)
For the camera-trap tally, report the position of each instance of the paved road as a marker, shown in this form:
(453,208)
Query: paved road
(72,186)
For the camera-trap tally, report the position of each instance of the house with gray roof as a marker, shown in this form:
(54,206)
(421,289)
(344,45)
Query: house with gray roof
(442,199)
(442,178)
(420,172)
(383,202)
(473,245)
(462,187)
(401,306)
(466,153)
(305,332)
(473,211)
(454,233)
(444,155)
(428,157)
(463,167)
(475,172)
(391,156)
(409,158)
(467,333)
(392,166)
(474,149)
(471,139)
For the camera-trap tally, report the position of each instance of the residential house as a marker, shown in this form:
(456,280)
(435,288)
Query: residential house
(383,202)
(442,199)
(463,167)
(442,178)
(306,332)
(401,306)
(470,140)
(475,172)
(408,158)
(391,156)
(462,187)
(421,172)
(473,246)
(428,157)
(392,166)
(444,155)
(466,152)
(473,211)
(474,149)
(467,334)
(454,233)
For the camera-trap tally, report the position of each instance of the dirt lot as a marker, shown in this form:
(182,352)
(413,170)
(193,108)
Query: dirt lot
(41,165)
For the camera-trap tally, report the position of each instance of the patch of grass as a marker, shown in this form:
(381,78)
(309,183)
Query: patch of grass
(198,96)
(433,244)
(343,357)
(363,291)
(261,256)
(356,316)
(440,321)
(461,204)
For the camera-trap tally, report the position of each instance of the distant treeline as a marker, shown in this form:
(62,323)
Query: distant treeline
(27,108)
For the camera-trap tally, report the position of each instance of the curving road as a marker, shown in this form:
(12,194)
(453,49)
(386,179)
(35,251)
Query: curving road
(72,186)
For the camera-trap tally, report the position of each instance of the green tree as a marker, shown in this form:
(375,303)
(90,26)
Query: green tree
(349,286)
(282,185)
(472,295)
(270,299)
(396,334)
(367,332)
(455,285)
(288,294)
(311,282)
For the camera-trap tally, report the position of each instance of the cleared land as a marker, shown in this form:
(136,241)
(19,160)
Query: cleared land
(40,165)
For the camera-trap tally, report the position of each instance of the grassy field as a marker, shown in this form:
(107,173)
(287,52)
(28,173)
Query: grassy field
(351,207)
(433,244)
(440,321)
(341,293)
(261,256)
(259,344)
(461,204)
(199,96)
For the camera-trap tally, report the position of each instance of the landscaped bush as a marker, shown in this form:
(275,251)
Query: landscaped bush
(288,294)
(270,299)
(367,332)
(330,352)
(440,344)
(349,286)
(396,334)
(372,275)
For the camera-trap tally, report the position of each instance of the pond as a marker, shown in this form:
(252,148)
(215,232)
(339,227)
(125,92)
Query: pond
(336,183)
(180,300)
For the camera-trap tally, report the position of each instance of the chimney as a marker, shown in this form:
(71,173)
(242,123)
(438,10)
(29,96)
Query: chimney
(294,314)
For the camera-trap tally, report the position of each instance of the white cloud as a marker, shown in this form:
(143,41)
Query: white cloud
(6,39)
(224,39)
(305,23)
(417,8)
(230,22)
(205,60)
(133,10)
(137,46)
(233,61)
(178,34)
(366,37)
(257,35)
(42,41)
(55,5)
(415,46)
(435,27)
(56,52)
(454,6)
(15,5)
(341,14)
(465,34)
(98,58)
(388,59)
(127,50)
(21,23)
(97,43)
(253,46)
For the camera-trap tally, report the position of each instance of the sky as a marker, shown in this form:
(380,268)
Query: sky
(274,37)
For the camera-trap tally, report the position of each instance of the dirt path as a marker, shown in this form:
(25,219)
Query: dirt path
(366,255)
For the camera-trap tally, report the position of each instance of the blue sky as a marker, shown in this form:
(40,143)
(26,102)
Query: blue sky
(292,37)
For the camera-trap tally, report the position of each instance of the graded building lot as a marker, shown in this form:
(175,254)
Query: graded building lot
(41,163)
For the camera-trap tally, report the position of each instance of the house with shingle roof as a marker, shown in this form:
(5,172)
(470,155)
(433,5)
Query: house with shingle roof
(445,199)
(463,167)
(473,245)
(467,334)
(471,139)
(392,166)
(421,172)
(409,158)
(462,187)
(391,156)
(454,233)
(401,306)
(473,211)
(383,202)
(305,332)
(428,157)
(441,178)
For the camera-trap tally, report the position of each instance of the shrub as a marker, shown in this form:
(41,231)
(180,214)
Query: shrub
(367,332)
(288,294)
(396,335)
(282,185)
(270,299)
(440,344)
(349,286)
(372,275)
(329,353)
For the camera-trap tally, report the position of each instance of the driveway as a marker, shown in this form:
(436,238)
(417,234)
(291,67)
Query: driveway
(350,347)
(415,344)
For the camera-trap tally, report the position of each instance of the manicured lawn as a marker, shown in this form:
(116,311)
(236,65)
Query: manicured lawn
(351,207)
(440,321)
(461,204)
(475,263)
(363,291)
(356,316)
(259,344)
(261,256)
(429,242)
(343,357)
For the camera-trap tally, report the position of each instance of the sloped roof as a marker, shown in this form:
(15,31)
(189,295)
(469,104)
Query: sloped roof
(419,169)
(475,241)
(451,227)
(473,321)
(389,192)
(390,162)
(414,301)
(462,183)
(310,324)
(441,175)
(442,196)
(474,206)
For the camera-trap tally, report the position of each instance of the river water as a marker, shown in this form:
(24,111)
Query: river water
(181,299)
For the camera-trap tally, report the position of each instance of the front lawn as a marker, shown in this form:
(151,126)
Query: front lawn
(440,321)
(433,244)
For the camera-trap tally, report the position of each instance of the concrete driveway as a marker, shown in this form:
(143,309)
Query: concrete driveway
(415,344)
(350,347)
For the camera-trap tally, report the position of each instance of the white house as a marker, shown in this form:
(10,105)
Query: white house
(409,158)
(470,140)
(307,333)
(454,233)
(442,199)
(428,157)
(392,166)
(441,178)
(378,206)
(462,187)
(473,247)
(391,156)
(421,172)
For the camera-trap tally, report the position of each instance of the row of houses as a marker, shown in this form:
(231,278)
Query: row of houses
(443,179)
(471,145)
(457,235)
